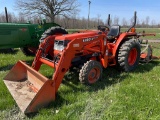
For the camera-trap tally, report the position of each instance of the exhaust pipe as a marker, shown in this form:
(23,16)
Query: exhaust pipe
(108,21)
(6,14)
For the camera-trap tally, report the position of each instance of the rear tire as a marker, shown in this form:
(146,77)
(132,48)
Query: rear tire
(129,55)
(53,31)
(91,72)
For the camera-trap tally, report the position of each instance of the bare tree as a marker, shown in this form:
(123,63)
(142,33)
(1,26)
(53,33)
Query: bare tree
(124,22)
(147,21)
(142,23)
(138,24)
(98,17)
(153,23)
(48,8)
(21,17)
(2,18)
(11,17)
(116,20)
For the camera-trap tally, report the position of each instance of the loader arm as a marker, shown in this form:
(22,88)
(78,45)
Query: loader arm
(43,50)
(75,46)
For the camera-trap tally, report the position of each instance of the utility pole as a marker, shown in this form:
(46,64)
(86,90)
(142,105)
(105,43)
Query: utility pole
(88,14)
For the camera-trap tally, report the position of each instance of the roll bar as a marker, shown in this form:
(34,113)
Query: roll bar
(134,23)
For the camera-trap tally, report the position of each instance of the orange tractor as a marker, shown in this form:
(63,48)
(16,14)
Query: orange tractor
(90,51)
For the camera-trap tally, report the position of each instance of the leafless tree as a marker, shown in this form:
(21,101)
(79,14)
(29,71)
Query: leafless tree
(98,18)
(143,23)
(116,20)
(11,17)
(147,20)
(153,23)
(21,18)
(124,22)
(138,24)
(49,8)
(2,18)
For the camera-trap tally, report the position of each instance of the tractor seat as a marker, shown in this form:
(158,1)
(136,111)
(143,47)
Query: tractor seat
(113,32)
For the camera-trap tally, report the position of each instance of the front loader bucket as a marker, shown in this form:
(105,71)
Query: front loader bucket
(29,88)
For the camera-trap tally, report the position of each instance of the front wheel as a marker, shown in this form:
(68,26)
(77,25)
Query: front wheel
(129,55)
(91,72)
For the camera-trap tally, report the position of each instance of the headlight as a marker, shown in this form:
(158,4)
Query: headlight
(60,44)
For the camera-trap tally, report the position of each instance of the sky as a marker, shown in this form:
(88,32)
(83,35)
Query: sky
(119,8)
(122,9)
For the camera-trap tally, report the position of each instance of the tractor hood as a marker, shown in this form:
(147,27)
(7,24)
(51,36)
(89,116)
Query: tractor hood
(8,24)
(77,35)
(14,35)
(61,42)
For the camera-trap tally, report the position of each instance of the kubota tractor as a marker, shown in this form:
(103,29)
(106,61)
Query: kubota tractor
(90,51)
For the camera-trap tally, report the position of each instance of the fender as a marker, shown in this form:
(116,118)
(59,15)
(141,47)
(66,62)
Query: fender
(120,40)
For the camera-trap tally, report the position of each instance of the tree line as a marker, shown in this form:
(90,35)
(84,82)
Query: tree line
(75,22)
(65,13)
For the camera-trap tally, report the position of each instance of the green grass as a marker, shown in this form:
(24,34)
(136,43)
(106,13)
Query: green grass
(118,96)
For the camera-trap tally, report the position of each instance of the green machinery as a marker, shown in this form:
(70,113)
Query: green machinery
(24,36)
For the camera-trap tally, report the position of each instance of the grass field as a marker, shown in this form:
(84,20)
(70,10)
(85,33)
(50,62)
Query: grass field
(117,96)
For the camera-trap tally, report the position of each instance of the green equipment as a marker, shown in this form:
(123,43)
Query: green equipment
(24,36)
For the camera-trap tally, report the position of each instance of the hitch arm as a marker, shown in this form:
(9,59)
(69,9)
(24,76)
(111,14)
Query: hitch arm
(145,34)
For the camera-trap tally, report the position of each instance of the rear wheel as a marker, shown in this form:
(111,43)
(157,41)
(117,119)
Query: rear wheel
(53,31)
(91,72)
(129,55)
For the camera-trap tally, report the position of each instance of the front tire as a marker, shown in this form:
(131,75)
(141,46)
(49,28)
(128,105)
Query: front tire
(129,55)
(91,72)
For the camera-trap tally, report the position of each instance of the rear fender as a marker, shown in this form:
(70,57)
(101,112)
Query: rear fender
(120,40)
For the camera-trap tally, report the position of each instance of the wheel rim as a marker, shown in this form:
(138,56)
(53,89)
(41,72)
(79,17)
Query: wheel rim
(132,56)
(94,75)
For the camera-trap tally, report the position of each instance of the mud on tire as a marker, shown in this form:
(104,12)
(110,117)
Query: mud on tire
(91,72)
(129,55)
